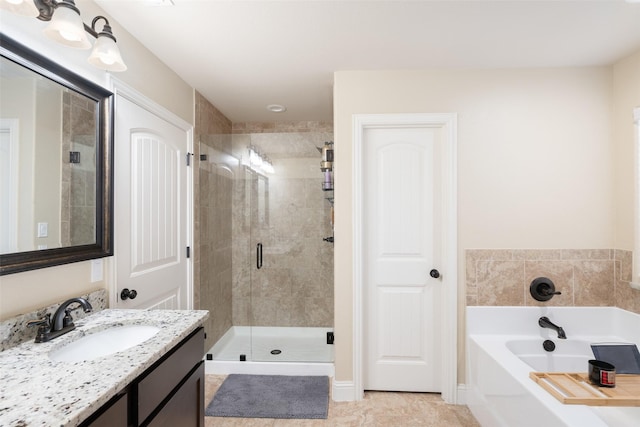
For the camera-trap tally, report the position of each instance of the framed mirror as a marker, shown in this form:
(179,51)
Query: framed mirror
(56,163)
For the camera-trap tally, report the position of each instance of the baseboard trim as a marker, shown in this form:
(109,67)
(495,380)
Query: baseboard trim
(462,394)
(343,391)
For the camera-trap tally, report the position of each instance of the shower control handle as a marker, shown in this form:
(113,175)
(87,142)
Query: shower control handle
(434,273)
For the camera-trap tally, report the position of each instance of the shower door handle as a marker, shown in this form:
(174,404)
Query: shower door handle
(259,256)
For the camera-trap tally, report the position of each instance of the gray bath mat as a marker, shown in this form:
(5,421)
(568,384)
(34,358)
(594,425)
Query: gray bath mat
(271,396)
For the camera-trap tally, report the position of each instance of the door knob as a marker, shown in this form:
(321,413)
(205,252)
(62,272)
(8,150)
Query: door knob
(128,294)
(434,273)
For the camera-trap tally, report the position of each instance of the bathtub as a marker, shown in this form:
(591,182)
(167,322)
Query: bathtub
(504,344)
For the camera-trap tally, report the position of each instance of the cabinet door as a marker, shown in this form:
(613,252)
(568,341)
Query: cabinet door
(157,384)
(186,407)
(115,414)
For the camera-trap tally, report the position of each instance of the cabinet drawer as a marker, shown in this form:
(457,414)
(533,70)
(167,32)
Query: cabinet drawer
(158,384)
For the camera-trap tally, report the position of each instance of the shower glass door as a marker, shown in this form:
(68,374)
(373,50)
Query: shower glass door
(292,272)
(266,272)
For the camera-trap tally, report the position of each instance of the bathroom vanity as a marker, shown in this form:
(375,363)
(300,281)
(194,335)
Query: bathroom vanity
(159,381)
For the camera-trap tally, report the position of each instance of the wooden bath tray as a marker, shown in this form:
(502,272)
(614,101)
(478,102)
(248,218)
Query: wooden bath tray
(575,389)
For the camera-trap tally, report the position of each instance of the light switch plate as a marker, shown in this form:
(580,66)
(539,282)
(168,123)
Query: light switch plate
(96,270)
(43,229)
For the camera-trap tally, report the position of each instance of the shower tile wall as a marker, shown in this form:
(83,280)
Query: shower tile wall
(598,277)
(78,191)
(212,220)
(282,127)
(295,285)
(224,257)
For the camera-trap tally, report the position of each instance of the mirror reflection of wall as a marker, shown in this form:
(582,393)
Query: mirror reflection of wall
(41,123)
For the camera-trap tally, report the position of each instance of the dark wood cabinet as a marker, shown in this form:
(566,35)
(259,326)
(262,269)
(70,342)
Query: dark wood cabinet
(186,406)
(113,413)
(169,393)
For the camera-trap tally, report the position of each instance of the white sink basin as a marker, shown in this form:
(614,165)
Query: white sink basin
(103,343)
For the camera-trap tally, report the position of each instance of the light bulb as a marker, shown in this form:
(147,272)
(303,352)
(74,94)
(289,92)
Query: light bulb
(20,7)
(66,27)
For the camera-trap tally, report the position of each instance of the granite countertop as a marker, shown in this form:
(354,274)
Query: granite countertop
(36,391)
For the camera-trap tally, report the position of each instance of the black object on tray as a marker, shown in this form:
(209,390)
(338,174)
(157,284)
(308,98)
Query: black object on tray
(624,356)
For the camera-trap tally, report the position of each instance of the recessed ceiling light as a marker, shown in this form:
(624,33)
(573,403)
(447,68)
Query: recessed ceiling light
(276,108)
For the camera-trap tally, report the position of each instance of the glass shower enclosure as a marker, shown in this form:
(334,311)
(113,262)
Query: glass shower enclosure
(281,259)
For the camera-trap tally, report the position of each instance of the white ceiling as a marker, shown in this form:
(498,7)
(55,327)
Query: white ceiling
(242,55)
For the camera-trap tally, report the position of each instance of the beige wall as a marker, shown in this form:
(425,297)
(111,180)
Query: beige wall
(535,163)
(626,96)
(22,292)
(47,161)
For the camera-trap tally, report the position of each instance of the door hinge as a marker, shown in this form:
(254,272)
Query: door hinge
(188,252)
(330,337)
(189,158)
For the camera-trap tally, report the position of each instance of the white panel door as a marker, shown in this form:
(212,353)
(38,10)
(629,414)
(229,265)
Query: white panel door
(152,225)
(401,246)
(9,186)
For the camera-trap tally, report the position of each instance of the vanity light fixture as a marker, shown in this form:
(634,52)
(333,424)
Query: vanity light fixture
(267,166)
(105,54)
(255,159)
(259,162)
(20,7)
(66,27)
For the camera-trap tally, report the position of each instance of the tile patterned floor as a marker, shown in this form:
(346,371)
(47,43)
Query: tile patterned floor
(378,409)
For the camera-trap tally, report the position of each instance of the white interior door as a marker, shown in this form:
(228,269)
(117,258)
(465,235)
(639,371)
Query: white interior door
(401,245)
(9,185)
(151,209)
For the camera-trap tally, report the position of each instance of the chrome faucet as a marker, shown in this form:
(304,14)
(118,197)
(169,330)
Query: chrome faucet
(62,320)
(546,323)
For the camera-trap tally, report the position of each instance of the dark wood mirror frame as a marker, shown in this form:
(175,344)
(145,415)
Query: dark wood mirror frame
(103,246)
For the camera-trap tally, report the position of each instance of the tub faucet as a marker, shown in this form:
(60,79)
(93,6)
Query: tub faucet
(546,323)
(62,320)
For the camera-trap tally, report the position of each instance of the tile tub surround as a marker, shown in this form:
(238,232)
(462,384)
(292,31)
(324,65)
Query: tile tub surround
(586,277)
(34,390)
(14,331)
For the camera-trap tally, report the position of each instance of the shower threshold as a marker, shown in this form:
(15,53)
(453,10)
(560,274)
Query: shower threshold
(272,351)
